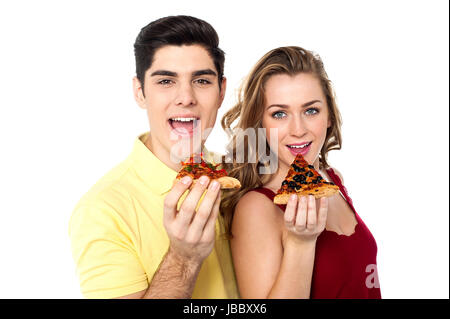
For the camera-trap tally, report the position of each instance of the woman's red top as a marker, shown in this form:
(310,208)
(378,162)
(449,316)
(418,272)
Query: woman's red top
(344,266)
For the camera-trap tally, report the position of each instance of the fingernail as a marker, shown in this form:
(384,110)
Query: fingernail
(214,186)
(292,198)
(203,180)
(304,199)
(186,180)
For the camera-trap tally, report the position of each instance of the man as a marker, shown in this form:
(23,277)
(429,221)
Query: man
(130,236)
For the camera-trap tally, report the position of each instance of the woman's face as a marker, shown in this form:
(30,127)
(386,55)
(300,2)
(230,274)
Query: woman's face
(296,107)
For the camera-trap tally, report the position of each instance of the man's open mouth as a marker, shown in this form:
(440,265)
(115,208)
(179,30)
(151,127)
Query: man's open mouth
(184,125)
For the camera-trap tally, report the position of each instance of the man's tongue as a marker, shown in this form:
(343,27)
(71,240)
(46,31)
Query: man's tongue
(183,127)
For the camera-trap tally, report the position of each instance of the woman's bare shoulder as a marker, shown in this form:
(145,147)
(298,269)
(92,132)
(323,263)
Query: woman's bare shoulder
(255,206)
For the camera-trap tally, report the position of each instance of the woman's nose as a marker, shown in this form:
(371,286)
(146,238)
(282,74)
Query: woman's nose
(297,126)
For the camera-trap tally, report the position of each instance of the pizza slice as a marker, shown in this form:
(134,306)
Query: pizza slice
(196,167)
(302,179)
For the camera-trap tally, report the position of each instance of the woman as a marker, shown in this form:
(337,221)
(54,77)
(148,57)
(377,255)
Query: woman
(308,248)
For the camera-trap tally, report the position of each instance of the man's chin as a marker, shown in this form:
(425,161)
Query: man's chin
(182,149)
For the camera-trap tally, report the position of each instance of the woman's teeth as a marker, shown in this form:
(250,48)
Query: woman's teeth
(299,146)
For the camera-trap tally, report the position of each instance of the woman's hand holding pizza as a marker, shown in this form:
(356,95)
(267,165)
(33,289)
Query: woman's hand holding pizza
(303,219)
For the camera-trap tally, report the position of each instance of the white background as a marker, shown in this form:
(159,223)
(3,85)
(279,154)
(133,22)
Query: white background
(68,116)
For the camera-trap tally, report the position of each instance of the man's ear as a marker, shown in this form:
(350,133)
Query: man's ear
(138,93)
(223,89)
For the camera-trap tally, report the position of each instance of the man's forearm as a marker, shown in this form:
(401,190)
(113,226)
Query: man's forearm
(175,278)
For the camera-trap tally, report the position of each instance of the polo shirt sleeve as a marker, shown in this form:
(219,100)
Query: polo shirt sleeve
(104,253)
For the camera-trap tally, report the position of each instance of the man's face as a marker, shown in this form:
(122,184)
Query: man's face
(182,93)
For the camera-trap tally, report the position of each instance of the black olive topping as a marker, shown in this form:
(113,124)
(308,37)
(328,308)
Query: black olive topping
(299,178)
(297,168)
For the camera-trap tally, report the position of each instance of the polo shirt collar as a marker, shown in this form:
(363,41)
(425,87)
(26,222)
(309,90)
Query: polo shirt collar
(157,175)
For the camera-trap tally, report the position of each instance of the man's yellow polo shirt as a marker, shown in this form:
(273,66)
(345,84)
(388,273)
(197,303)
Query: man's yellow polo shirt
(118,238)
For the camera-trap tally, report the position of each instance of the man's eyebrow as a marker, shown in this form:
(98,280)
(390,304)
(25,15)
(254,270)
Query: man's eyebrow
(164,72)
(204,72)
(174,74)
(284,106)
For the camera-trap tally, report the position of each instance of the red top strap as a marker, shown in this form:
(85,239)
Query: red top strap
(335,179)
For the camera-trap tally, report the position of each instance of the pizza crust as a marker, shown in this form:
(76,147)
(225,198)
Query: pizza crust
(322,191)
(226,182)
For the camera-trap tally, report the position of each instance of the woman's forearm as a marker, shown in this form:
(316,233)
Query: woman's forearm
(294,278)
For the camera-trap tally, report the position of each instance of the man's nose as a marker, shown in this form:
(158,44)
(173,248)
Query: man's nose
(185,95)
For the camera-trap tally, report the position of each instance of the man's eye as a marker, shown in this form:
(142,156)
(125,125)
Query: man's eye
(203,81)
(278,115)
(165,82)
(312,111)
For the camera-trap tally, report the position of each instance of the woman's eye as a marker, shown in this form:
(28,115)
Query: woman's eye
(278,115)
(312,111)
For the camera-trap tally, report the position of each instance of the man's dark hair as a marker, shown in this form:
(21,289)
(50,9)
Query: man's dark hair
(176,30)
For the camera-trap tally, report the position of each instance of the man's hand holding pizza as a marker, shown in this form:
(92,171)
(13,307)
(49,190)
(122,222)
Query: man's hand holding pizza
(192,233)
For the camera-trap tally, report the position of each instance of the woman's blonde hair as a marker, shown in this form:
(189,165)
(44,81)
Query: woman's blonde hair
(249,112)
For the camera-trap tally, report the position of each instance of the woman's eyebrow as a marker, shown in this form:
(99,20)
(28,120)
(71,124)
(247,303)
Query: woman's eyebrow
(284,106)
(311,103)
